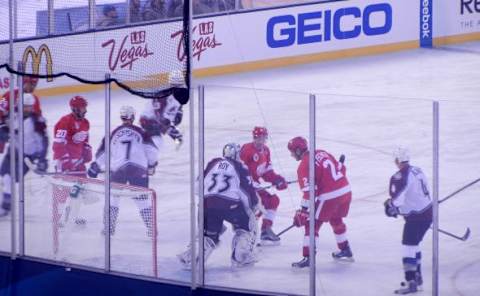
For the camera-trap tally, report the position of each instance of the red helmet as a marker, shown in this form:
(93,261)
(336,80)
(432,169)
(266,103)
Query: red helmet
(298,146)
(259,131)
(78,102)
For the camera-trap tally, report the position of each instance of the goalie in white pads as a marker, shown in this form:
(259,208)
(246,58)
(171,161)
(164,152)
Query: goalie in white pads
(163,114)
(34,148)
(228,195)
(133,159)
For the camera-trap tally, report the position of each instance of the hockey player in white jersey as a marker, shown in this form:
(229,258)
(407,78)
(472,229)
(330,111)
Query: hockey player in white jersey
(34,148)
(230,196)
(133,159)
(410,198)
(162,115)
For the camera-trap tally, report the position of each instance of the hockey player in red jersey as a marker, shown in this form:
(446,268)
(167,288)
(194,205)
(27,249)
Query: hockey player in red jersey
(71,150)
(256,156)
(332,198)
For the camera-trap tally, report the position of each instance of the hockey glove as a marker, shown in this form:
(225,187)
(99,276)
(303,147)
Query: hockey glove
(94,170)
(178,117)
(301,217)
(151,169)
(390,209)
(280,183)
(87,153)
(42,165)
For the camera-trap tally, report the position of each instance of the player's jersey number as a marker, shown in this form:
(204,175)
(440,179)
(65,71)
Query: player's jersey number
(220,183)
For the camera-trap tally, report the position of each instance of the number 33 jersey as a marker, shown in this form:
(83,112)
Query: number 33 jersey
(330,177)
(229,180)
(129,145)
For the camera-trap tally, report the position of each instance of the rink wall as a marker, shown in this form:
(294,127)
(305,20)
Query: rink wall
(264,38)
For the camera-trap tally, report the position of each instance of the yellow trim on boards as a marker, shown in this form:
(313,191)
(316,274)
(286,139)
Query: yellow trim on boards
(277,62)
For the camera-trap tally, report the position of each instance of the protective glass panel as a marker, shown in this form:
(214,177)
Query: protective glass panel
(237,115)
(367,131)
(31,18)
(458,210)
(71,16)
(63,208)
(149,218)
(110,14)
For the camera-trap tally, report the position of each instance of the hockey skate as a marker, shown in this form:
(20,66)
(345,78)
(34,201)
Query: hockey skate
(418,281)
(305,262)
(407,288)
(269,238)
(343,255)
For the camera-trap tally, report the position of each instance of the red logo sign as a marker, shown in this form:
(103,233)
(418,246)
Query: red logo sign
(200,44)
(4,82)
(126,54)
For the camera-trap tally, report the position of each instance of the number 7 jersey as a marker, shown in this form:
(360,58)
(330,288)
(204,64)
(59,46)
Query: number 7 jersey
(330,177)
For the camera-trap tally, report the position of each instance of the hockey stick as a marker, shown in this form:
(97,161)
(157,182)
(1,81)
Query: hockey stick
(462,238)
(33,168)
(286,229)
(458,191)
(270,186)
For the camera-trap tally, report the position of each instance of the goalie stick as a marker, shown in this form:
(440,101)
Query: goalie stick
(458,191)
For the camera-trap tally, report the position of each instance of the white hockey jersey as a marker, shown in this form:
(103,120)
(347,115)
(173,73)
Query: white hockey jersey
(409,192)
(162,110)
(35,139)
(129,145)
(229,180)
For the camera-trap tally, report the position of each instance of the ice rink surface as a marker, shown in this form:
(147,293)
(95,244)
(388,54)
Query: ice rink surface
(365,107)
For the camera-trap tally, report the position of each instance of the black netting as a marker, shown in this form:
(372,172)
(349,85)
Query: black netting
(146,58)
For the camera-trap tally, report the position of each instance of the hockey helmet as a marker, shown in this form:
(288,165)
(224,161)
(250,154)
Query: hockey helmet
(231,151)
(401,154)
(78,102)
(298,146)
(127,113)
(259,131)
(175,78)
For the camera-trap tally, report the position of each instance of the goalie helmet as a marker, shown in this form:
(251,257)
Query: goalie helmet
(175,78)
(232,151)
(298,146)
(259,131)
(127,113)
(401,154)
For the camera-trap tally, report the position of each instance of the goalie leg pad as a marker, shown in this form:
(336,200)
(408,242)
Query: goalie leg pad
(243,248)
(186,257)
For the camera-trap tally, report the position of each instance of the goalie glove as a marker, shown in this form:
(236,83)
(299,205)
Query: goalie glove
(390,209)
(94,170)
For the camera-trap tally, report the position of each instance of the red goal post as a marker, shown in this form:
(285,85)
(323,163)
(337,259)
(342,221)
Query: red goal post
(93,192)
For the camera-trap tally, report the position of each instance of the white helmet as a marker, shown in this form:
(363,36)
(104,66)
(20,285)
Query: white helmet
(175,78)
(401,154)
(127,113)
(231,151)
(28,100)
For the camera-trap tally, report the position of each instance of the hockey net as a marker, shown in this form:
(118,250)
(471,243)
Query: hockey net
(78,215)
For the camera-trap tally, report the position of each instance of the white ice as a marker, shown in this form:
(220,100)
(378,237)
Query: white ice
(365,107)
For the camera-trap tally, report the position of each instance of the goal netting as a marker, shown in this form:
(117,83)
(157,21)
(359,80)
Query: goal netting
(78,217)
(138,56)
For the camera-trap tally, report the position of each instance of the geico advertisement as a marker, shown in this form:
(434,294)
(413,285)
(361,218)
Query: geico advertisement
(455,17)
(314,28)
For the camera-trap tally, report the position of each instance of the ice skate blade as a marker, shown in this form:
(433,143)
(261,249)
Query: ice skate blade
(344,259)
(268,243)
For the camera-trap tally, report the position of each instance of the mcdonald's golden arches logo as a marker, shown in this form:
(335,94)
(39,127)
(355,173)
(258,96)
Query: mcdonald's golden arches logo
(43,50)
